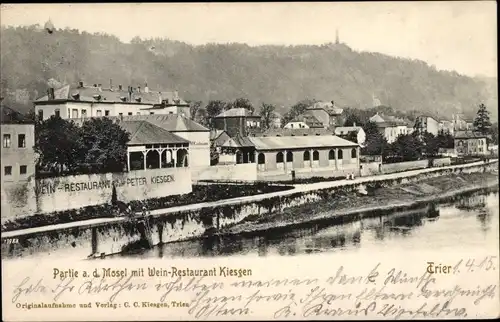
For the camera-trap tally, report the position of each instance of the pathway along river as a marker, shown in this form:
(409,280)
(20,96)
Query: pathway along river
(469,221)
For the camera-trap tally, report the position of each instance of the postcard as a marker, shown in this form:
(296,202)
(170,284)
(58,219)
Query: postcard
(249,161)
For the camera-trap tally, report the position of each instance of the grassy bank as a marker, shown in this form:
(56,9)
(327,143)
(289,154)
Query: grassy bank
(200,194)
(340,204)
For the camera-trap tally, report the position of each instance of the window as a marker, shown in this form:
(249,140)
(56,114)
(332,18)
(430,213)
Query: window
(315,156)
(170,112)
(69,113)
(106,113)
(129,113)
(6,140)
(84,113)
(341,155)
(74,113)
(21,140)
(353,154)
(98,113)
(120,114)
(291,125)
(151,113)
(261,159)
(7,171)
(331,155)
(57,112)
(289,156)
(307,156)
(279,157)
(23,169)
(40,114)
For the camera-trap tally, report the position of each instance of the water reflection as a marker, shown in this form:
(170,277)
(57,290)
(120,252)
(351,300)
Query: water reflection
(432,225)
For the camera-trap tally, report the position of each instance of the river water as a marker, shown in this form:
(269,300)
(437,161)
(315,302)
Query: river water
(471,221)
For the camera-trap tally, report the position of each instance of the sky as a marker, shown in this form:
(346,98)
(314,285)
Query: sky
(450,35)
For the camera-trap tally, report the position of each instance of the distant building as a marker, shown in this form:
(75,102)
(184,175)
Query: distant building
(18,141)
(276,120)
(469,143)
(82,101)
(304,121)
(347,131)
(390,127)
(425,123)
(237,121)
(327,113)
(461,123)
(446,127)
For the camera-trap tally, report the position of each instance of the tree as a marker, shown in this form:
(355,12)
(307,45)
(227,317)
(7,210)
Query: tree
(215,107)
(430,143)
(482,123)
(267,114)
(59,144)
(494,133)
(193,109)
(445,140)
(202,116)
(297,109)
(407,147)
(351,120)
(242,103)
(375,143)
(105,145)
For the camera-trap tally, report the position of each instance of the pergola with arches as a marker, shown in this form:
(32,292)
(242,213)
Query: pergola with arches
(155,156)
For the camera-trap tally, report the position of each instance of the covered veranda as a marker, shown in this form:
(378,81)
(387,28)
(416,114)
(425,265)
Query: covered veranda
(151,147)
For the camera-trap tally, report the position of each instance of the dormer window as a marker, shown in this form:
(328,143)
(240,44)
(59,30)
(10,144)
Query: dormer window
(138,99)
(97,97)
(76,96)
(123,98)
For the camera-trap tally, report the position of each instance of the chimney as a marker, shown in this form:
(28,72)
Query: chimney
(95,85)
(160,98)
(80,84)
(139,89)
(50,93)
(353,123)
(333,103)
(110,83)
(120,87)
(176,95)
(146,89)
(99,87)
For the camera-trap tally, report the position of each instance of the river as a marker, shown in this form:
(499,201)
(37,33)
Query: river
(471,221)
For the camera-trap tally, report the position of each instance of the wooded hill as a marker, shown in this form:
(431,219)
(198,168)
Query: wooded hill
(280,75)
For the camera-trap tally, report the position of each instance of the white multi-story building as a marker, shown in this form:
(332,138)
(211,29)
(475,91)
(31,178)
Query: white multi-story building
(81,101)
(390,127)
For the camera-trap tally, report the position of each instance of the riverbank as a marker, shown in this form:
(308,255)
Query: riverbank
(345,206)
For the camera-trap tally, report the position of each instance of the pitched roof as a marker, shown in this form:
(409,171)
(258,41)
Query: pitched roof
(309,119)
(11,116)
(237,112)
(238,142)
(329,107)
(143,132)
(299,142)
(470,135)
(88,93)
(346,129)
(296,132)
(214,134)
(169,122)
(387,120)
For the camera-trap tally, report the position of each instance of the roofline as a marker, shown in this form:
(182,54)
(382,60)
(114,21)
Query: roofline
(64,100)
(214,117)
(308,147)
(174,131)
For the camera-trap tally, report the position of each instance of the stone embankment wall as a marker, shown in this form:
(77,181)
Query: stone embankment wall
(73,192)
(167,226)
